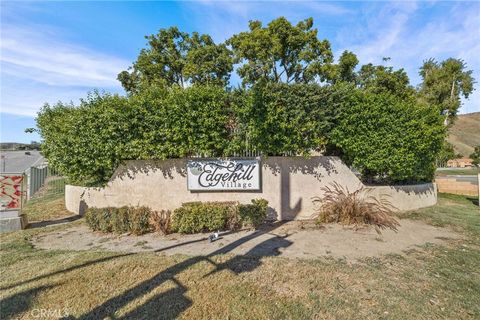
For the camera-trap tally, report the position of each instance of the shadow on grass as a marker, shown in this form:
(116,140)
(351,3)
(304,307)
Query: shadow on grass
(473,200)
(166,305)
(12,306)
(47,223)
(83,265)
(169,305)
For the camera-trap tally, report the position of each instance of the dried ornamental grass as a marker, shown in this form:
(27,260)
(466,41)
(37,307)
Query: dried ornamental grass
(340,205)
(161,221)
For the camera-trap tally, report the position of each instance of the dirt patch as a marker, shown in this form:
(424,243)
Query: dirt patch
(294,239)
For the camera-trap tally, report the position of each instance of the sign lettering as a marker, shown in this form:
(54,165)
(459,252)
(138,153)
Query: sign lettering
(207,175)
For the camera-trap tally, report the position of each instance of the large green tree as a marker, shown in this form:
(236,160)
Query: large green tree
(178,58)
(344,70)
(281,52)
(444,84)
(380,79)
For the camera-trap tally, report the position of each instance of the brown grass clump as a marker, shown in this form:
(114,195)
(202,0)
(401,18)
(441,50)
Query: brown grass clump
(355,208)
(161,221)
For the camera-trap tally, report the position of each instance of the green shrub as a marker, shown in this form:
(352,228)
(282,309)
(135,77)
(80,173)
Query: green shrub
(389,139)
(139,220)
(99,219)
(252,215)
(85,142)
(196,217)
(88,142)
(278,118)
(119,220)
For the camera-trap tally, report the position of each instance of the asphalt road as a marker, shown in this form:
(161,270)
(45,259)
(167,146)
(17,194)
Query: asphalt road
(18,161)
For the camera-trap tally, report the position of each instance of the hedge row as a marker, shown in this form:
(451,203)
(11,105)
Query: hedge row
(119,220)
(192,217)
(386,137)
(195,217)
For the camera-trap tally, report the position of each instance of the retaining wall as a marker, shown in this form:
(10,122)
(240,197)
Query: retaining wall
(288,183)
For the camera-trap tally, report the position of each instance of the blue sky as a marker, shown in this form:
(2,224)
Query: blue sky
(53,51)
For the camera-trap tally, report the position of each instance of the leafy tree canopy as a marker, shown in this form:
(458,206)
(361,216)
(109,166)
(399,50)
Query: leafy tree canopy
(177,58)
(444,83)
(344,71)
(278,118)
(295,100)
(446,153)
(475,156)
(380,79)
(281,52)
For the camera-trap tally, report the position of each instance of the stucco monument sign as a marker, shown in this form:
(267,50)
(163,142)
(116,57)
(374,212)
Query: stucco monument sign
(223,175)
(287,183)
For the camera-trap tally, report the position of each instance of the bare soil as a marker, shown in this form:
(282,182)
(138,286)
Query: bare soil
(293,239)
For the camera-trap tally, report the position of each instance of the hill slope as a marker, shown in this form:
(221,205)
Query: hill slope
(465,133)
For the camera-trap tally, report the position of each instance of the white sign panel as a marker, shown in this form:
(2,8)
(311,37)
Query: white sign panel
(205,175)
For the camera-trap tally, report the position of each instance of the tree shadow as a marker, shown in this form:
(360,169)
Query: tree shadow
(161,302)
(41,224)
(128,169)
(11,307)
(417,189)
(172,303)
(83,265)
(307,165)
(473,200)
(252,259)
(165,305)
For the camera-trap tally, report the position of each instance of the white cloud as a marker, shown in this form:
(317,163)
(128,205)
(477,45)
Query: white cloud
(393,33)
(25,97)
(274,8)
(34,54)
(37,66)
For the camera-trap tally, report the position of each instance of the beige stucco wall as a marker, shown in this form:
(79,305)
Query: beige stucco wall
(408,197)
(288,183)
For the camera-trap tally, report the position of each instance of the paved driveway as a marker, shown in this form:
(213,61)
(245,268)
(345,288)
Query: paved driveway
(18,161)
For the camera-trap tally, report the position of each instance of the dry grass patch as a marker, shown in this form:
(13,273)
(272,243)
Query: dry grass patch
(49,207)
(357,208)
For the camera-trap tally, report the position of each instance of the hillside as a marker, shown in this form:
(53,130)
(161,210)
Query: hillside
(465,133)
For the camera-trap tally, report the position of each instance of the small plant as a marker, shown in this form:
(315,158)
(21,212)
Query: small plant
(195,217)
(139,220)
(161,221)
(356,208)
(191,217)
(252,215)
(119,220)
(99,219)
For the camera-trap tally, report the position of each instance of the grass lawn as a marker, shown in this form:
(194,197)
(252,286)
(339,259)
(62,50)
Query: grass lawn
(425,282)
(48,203)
